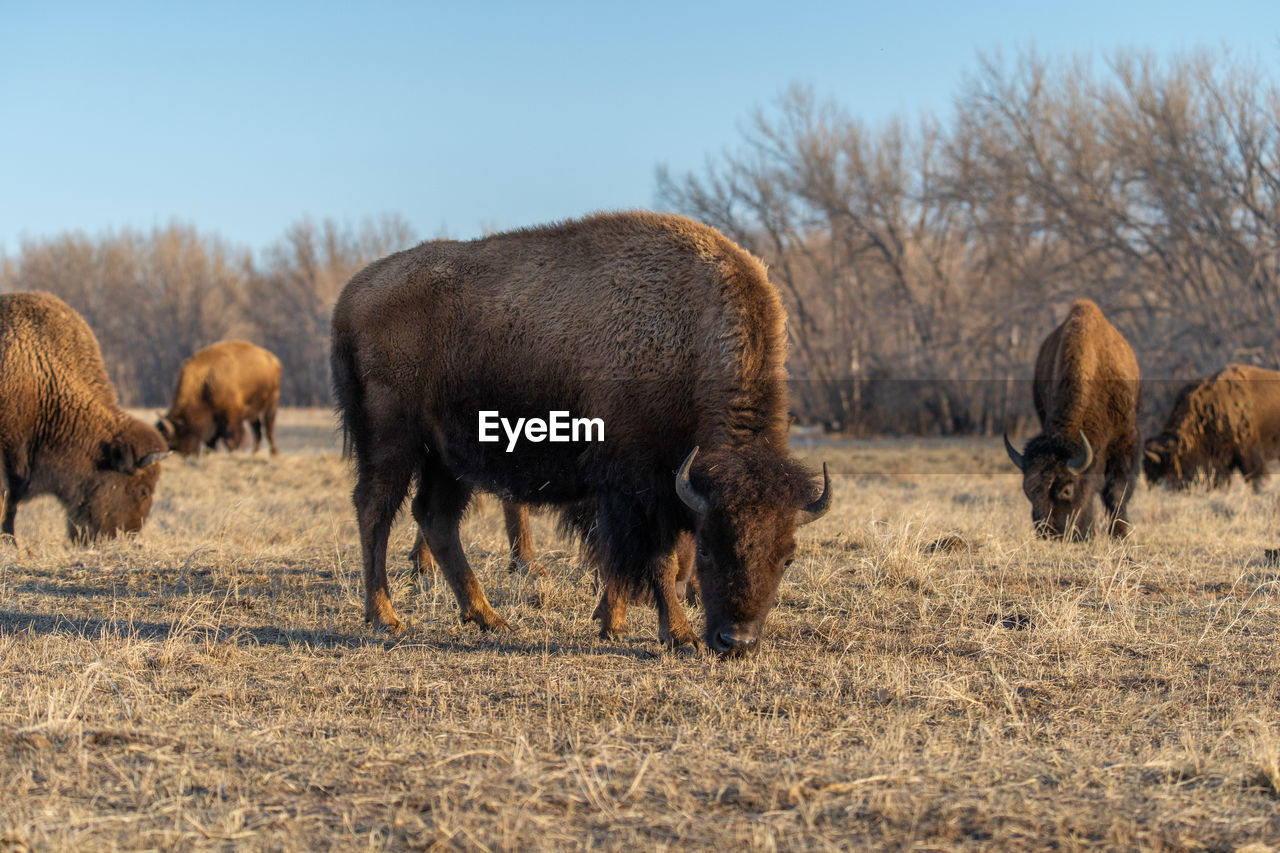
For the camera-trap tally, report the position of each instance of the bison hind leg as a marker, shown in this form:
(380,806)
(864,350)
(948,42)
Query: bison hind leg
(520,537)
(381,486)
(438,508)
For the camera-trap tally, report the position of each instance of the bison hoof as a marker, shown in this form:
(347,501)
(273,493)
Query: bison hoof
(486,620)
(614,632)
(679,638)
(390,625)
(532,568)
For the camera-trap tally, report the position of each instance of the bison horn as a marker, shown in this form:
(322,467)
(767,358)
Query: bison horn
(1081,463)
(688,494)
(150,458)
(1013,454)
(818,508)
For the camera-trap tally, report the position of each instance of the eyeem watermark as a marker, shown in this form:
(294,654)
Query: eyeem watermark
(558,427)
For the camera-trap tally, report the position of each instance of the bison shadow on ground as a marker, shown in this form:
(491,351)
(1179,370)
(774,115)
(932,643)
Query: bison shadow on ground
(13,623)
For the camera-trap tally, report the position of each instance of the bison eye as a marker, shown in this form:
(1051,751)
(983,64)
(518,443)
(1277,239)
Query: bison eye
(1066,492)
(787,562)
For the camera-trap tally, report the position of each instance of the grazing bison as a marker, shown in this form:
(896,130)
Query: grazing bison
(1086,396)
(659,327)
(61,430)
(219,387)
(1227,420)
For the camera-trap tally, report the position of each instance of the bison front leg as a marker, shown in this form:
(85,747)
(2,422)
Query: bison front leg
(1121,477)
(1253,466)
(269,426)
(378,495)
(438,509)
(687,586)
(520,537)
(612,609)
(420,556)
(674,629)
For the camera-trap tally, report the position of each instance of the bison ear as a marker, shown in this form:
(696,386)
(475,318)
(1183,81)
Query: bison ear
(119,455)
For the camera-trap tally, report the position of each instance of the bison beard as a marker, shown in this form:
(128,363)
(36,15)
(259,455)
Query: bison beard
(1086,397)
(657,325)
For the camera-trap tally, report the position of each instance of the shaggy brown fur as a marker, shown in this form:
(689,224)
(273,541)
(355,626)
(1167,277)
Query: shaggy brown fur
(656,324)
(61,429)
(1086,383)
(1229,420)
(219,388)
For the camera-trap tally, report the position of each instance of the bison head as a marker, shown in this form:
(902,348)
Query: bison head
(1160,461)
(181,436)
(747,507)
(118,494)
(1061,481)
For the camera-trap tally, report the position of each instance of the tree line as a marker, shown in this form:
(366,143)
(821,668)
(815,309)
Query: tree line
(921,261)
(154,298)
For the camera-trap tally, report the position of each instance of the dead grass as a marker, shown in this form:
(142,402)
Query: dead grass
(934,678)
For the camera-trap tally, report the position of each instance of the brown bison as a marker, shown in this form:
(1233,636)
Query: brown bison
(1086,396)
(657,327)
(1227,420)
(62,431)
(219,388)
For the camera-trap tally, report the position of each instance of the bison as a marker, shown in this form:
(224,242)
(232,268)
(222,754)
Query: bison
(62,431)
(219,388)
(659,327)
(1086,396)
(1227,420)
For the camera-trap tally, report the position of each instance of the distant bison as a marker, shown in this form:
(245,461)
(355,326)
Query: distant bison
(1086,396)
(1229,420)
(62,431)
(219,388)
(661,328)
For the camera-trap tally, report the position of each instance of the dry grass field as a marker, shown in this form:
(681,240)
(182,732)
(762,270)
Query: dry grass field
(933,678)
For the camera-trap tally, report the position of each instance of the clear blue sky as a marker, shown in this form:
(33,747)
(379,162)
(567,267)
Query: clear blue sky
(240,118)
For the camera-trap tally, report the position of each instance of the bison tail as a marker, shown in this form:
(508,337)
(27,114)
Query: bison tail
(348,393)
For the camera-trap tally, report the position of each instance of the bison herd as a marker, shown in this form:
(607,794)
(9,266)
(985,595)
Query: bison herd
(658,326)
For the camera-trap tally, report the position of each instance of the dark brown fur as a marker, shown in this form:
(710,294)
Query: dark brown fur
(656,324)
(1229,420)
(218,389)
(62,431)
(1086,380)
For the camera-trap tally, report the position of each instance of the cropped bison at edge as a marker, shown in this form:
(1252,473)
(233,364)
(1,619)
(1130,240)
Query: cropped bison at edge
(219,388)
(1086,396)
(61,429)
(656,324)
(1229,420)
